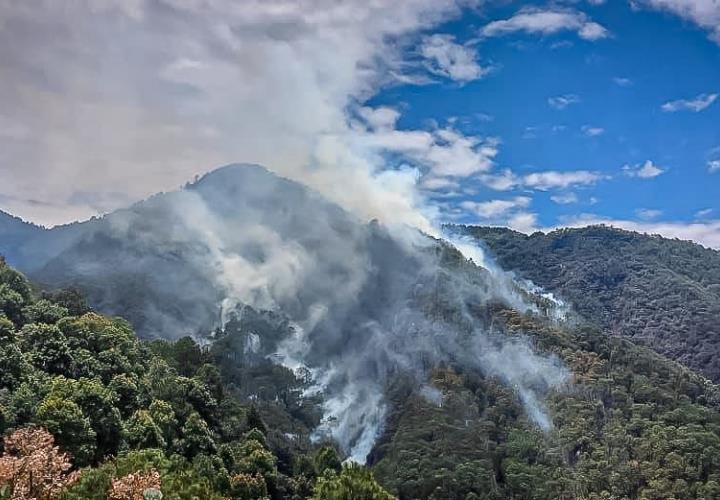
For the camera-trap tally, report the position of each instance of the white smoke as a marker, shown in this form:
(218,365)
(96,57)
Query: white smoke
(285,84)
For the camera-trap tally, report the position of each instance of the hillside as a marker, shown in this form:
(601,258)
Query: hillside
(317,338)
(219,422)
(658,292)
(29,247)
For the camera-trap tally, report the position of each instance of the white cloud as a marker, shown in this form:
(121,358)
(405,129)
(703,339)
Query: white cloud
(590,131)
(647,170)
(547,22)
(563,101)
(623,82)
(447,58)
(704,13)
(493,209)
(554,179)
(543,181)
(713,166)
(701,214)
(164,90)
(509,212)
(438,183)
(380,118)
(442,152)
(696,104)
(502,181)
(648,213)
(564,198)
(525,222)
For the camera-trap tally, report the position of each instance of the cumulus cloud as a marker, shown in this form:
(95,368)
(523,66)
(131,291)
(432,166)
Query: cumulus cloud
(648,213)
(713,166)
(506,180)
(510,212)
(563,101)
(590,131)
(701,214)
(647,170)
(547,22)
(696,104)
(164,90)
(447,58)
(502,181)
(437,153)
(564,198)
(704,13)
(623,82)
(555,179)
(495,208)
(525,222)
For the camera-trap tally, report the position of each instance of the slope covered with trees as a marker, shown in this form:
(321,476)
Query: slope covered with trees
(90,412)
(659,292)
(105,415)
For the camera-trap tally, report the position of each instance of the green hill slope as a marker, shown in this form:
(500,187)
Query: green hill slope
(659,292)
(631,424)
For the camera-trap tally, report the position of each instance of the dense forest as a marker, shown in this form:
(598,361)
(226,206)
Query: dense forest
(88,411)
(661,293)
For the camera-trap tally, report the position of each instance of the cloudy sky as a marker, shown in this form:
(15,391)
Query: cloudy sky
(527,114)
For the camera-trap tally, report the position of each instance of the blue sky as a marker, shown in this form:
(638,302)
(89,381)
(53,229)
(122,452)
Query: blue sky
(615,88)
(532,115)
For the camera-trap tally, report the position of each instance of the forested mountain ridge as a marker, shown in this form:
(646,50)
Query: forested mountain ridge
(659,292)
(217,422)
(317,338)
(29,246)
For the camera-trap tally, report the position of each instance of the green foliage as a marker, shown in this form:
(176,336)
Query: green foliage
(224,422)
(659,292)
(327,459)
(120,406)
(143,432)
(352,483)
(44,311)
(71,428)
(196,437)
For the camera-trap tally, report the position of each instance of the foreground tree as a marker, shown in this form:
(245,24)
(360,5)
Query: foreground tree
(353,483)
(33,467)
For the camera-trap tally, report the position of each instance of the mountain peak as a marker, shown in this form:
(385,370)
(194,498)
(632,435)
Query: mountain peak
(234,172)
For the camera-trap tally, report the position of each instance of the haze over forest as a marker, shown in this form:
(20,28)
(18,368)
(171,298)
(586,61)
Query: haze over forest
(359,250)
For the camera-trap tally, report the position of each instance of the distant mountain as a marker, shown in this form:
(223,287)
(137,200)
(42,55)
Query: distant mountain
(166,262)
(659,292)
(364,303)
(14,234)
(29,246)
(447,378)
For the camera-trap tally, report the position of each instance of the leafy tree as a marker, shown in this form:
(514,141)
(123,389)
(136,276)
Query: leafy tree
(327,458)
(352,483)
(196,437)
(142,432)
(44,311)
(255,421)
(48,348)
(71,428)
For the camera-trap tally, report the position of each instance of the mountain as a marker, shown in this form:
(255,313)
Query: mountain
(220,422)
(14,234)
(659,292)
(135,262)
(29,246)
(366,303)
